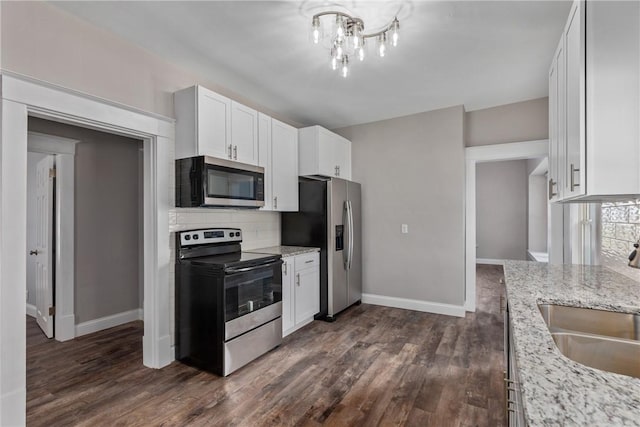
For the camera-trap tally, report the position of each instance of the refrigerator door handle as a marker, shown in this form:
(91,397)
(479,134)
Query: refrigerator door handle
(350,234)
(345,221)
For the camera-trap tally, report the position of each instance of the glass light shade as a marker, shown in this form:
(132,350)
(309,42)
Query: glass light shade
(339,51)
(361,53)
(339,28)
(315,29)
(382,44)
(395,29)
(345,66)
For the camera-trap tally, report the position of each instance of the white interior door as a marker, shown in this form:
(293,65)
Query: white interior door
(44,244)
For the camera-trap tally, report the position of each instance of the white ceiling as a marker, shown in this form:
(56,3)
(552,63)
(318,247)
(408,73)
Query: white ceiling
(476,53)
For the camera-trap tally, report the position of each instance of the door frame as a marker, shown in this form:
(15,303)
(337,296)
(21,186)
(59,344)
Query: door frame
(64,150)
(23,97)
(483,154)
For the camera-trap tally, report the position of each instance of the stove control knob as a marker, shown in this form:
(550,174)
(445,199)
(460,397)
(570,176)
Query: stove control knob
(187,237)
(237,234)
(195,237)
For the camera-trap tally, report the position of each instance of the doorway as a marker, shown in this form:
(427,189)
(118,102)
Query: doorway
(23,98)
(473,156)
(104,287)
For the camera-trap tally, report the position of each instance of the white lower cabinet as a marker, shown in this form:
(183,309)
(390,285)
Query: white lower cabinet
(300,291)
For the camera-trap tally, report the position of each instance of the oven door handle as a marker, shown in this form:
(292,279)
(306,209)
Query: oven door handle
(255,267)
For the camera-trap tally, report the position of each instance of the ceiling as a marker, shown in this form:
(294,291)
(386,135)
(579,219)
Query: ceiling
(476,53)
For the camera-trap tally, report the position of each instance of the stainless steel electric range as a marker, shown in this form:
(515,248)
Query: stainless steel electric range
(228,302)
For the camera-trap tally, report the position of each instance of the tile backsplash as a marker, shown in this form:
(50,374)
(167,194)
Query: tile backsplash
(620,230)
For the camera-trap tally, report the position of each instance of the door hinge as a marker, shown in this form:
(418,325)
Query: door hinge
(52,173)
(52,311)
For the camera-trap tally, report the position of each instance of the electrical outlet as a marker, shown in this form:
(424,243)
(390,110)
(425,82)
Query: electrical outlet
(405,228)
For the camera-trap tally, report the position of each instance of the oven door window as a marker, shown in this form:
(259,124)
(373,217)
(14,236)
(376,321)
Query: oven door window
(230,183)
(251,290)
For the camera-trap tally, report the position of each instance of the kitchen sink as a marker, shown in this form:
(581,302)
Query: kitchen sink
(600,339)
(598,322)
(605,353)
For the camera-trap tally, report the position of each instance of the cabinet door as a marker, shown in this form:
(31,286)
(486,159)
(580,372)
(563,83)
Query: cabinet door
(287,295)
(342,154)
(327,164)
(284,154)
(213,124)
(307,293)
(557,141)
(244,133)
(264,158)
(574,83)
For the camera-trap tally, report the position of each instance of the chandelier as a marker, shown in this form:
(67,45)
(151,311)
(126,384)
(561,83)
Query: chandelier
(347,39)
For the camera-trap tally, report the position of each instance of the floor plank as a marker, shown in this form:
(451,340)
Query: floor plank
(373,366)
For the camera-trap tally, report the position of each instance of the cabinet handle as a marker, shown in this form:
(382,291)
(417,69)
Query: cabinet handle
(284,267)
(275,202)
(298,279)
(309,262)
(573,171)
(338,170)
(230,147)
(235,152)
(502,306)
(551,184)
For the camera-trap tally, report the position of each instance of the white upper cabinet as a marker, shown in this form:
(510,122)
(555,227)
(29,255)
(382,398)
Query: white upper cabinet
(323,152)
(209,124)
(284,155)
(203,123)
(594,112)
(574,36)
(278,143)
(557,144)
(264,158)
(244,133)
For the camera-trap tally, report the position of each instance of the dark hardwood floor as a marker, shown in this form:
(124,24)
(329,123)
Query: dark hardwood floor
(373,366)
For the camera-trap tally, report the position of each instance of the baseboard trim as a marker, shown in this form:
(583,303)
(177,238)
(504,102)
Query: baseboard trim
(490,261)
(31,310)
(417,305)
(107,322)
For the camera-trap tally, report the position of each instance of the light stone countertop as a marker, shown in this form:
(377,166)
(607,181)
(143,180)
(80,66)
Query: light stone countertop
(556,390)
(285,251)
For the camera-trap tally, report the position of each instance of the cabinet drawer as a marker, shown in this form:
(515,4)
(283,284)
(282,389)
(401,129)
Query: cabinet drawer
(307,261)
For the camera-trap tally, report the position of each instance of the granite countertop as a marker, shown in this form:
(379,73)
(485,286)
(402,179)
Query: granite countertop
(556,390)
(285,251)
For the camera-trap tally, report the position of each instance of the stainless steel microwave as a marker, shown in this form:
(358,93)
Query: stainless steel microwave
(210,182)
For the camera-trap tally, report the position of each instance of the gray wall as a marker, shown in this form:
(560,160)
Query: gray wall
(42,41)
(32,161)
(501,209)
(412,172)
(521,121)
(106,220)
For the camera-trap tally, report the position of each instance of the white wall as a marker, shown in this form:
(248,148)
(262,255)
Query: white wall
(412,172)
(501,210)
(32,161)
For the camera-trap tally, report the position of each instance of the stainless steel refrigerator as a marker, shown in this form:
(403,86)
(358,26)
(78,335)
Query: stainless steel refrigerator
(329,217)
